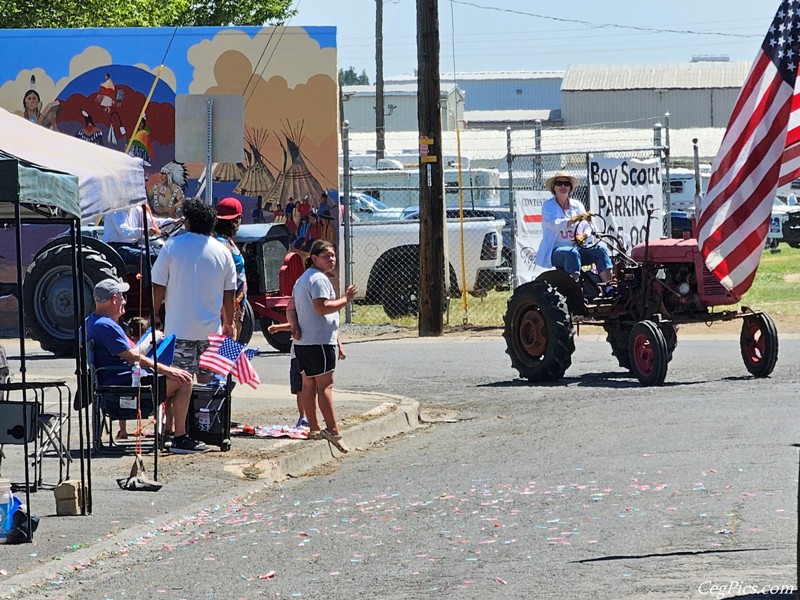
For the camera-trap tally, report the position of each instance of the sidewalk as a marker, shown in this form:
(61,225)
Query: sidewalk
(192,483)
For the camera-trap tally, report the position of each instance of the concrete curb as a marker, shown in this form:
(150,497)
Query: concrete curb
(402,419)
(295,460)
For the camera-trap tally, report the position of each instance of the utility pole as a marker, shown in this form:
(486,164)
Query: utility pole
(380,118)
(432,281)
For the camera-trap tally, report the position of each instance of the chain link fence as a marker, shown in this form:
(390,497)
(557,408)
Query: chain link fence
(384,230)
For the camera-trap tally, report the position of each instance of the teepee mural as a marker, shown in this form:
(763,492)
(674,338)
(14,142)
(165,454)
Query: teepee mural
(228,172)
(295,180)
(257,179)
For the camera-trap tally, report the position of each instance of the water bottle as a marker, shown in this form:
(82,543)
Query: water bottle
(136,375)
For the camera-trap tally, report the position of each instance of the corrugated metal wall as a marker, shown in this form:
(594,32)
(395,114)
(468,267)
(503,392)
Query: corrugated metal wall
(687,108)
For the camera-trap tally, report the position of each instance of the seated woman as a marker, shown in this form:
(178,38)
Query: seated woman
(560,214)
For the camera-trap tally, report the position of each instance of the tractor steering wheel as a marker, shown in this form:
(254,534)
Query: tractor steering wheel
(585,234)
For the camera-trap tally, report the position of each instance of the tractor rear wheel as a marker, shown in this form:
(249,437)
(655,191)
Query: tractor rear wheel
(759,344)
(281,341)
(248,324)
(47,294)
(648,351)
(540,338)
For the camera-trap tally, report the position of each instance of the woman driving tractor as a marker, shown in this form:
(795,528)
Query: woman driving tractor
(561,245)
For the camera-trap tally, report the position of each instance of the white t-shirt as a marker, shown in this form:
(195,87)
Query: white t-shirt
(556,230)
(126,226)
(314,328)
(195,269)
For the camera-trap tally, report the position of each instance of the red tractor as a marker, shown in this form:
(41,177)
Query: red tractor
(659,286)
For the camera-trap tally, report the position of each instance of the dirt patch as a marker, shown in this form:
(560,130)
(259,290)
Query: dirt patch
(792,278)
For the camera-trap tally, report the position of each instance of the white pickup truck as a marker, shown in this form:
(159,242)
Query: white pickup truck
(385,260)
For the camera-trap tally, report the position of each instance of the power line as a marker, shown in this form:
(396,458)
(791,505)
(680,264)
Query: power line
(601,25)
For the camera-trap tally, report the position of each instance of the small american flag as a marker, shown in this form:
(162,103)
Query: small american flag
(221,354)
(243,370)
(760,150)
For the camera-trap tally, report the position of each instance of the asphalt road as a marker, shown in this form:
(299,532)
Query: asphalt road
(590,488)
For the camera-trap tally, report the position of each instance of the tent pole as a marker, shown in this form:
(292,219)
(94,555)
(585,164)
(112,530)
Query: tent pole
(22,367)
(84,419)
(151,312)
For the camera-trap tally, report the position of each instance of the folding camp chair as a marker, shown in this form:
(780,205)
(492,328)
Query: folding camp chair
(122,402)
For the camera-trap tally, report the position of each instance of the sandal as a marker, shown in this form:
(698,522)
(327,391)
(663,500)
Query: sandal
(336,440)
(314,435)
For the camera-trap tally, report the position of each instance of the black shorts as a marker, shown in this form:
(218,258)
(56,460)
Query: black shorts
(315,360)
(295,377)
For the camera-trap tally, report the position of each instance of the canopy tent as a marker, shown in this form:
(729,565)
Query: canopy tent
(108,180)
(41,194)
(49,177)
(32,194)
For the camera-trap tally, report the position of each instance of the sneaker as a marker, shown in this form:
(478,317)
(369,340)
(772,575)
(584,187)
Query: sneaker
(336,440)
(186,445)
(302,422)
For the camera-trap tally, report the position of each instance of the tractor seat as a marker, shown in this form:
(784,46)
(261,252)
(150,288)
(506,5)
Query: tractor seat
(293,266)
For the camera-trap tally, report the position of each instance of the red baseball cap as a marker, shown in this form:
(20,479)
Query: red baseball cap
(229,208)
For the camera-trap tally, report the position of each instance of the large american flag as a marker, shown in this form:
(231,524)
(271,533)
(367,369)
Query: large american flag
(760,150)
(221,354)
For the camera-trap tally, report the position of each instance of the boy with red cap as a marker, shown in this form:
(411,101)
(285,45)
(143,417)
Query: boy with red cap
(229,217)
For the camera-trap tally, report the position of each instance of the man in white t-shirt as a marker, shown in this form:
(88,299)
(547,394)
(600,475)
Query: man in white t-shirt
(195,276)
(123,230)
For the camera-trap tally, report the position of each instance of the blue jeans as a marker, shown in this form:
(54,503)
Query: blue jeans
(570,258)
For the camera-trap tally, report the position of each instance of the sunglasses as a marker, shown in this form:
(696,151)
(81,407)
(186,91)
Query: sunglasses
(569,183)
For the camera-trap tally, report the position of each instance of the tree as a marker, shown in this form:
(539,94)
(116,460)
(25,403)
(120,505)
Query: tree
(25,14)
(349,77)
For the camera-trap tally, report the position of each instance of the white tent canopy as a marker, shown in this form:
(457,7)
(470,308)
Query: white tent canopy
(108,179)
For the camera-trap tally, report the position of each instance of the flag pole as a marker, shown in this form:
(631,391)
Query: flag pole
(144,107)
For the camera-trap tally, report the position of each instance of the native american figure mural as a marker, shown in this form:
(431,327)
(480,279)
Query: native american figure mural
(107,88)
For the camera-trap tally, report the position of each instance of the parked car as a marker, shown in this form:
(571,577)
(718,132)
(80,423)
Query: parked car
(499,212)
(365,203)
(366,208)
(784,226)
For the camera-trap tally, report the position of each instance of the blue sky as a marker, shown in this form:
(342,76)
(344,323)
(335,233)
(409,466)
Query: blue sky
(511,38)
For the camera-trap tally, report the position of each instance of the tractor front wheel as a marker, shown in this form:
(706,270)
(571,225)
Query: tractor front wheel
(648,351)
(540,338)
(759,344)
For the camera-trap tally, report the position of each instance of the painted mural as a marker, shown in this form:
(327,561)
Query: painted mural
(117,87)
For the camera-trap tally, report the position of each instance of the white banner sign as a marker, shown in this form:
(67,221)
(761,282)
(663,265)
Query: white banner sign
(528,215)
(621,191)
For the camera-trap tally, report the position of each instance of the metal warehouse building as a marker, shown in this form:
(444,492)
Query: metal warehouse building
(400,106)
(502,90)
(696,94)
